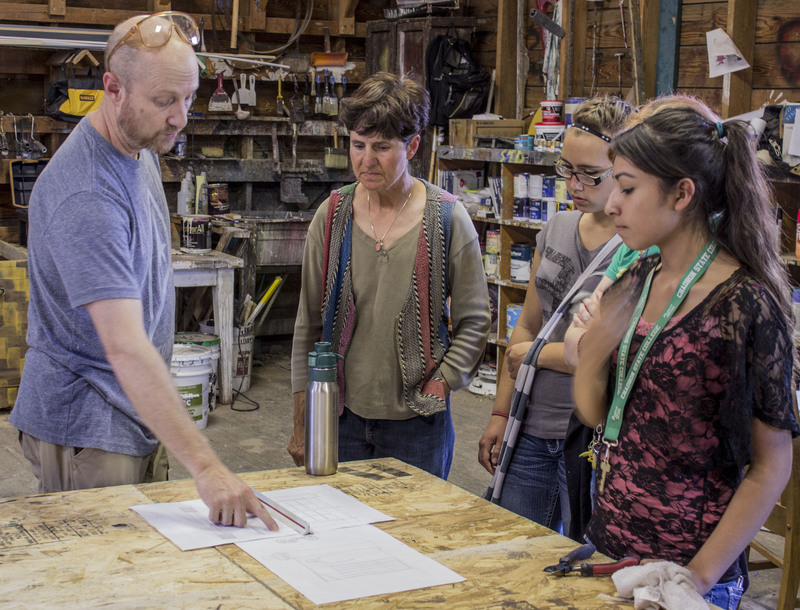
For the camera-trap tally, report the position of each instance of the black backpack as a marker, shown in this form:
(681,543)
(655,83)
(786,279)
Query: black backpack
(458,86)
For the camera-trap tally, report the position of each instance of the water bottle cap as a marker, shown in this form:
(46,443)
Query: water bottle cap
(323,357)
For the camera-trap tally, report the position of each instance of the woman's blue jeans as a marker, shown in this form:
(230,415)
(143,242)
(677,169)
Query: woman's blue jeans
(727,595)
(424,442)
(536,482)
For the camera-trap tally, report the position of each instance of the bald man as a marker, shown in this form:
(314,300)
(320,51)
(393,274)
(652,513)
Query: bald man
(96,398)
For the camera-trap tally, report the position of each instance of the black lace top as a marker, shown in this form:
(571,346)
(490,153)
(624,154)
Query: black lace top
(685,436)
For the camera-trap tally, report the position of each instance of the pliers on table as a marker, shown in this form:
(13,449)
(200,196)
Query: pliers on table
(565,564)
(597,569)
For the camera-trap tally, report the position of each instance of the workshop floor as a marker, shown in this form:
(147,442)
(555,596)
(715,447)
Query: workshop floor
(257,439)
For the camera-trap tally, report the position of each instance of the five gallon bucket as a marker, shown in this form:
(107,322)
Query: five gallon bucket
(211,341)
(191,372)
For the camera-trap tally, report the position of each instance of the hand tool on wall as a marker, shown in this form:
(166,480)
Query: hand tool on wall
(220,102)
(234,22)
(318,98)
(326,98)
(279,99)
(237,99)
(38,149)
(306,97)
(327,58)
(251,92)
(3,140)
(240,94)
(334,104)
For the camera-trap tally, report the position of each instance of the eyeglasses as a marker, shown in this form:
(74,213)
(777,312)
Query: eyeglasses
(585,179)
(153,33)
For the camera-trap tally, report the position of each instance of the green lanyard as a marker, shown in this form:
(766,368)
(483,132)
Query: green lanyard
(625,381)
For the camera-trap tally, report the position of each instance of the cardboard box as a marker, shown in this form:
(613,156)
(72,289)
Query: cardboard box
(462,131)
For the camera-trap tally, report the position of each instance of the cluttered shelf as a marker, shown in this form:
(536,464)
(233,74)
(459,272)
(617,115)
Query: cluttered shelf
(497,155)
(522,224)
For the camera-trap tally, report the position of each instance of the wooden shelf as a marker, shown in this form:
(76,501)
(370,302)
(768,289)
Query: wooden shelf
(250,170)
(497,155)
(229,125)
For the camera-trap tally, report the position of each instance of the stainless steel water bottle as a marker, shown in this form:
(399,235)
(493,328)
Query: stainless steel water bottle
(322,411)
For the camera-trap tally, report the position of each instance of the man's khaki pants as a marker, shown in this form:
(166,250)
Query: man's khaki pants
(60,468)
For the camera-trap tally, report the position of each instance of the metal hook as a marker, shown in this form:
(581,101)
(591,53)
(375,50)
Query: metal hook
(37,145)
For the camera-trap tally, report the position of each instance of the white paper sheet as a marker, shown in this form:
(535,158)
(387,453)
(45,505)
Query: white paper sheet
(723,54)
(343,564)
(187,525)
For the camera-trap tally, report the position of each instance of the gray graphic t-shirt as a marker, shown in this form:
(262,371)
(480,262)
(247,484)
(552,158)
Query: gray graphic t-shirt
(98,229)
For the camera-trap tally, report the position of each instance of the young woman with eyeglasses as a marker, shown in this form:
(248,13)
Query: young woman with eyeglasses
(535,484)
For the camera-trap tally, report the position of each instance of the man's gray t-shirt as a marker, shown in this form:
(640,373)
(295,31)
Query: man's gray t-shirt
(99,229)
(563,259)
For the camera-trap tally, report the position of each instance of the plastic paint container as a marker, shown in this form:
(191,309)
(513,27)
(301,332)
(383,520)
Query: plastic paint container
(570,107)
(535,210)
(513,311)
(549,209)
(548,136)
(210,341)
(552,111)
(535,186)
(521,262)
(191,372)
(196,234)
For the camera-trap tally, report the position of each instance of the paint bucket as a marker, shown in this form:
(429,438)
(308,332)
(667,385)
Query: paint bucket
(191,372)
(552,111)
(521,262)
(218,199)
(523,142)
(195,234)
(548,137)
(210,341)
(243,341)
(513,311)
(570,107)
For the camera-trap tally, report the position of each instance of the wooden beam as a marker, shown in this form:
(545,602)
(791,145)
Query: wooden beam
(650,21)
(507,59)
(565,50)
(12,11)
(256,16)
(156,6)
(736,86)
(579,39)
(347,16)
(57,8)
(669,35)
(636,51)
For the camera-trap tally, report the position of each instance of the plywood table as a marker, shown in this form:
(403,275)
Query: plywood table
(214,269)
(86,548)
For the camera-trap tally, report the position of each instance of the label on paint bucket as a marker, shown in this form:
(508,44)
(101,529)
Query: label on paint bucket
(191,372)
(196,234)
(521,262)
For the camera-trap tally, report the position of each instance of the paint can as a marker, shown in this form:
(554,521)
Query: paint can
(191,372)
(548,136)
(195,234)
(570,107)
(552,111)
(513,311)
(218,199)
(520,205)
(521,254)
(210,341)
(243,342)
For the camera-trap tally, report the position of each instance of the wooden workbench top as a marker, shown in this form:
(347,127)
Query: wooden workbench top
(85,549)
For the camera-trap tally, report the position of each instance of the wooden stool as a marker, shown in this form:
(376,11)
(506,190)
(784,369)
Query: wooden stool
(784,521)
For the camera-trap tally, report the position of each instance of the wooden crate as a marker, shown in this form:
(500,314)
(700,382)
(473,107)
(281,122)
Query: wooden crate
(463,131)
(14,296)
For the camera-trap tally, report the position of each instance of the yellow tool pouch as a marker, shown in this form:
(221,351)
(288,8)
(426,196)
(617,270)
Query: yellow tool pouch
(70,99)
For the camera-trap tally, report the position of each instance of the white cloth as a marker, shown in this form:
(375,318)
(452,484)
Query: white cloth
(659,585)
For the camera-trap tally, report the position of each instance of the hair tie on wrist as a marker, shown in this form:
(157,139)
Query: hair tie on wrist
(505,415)
(720,129)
